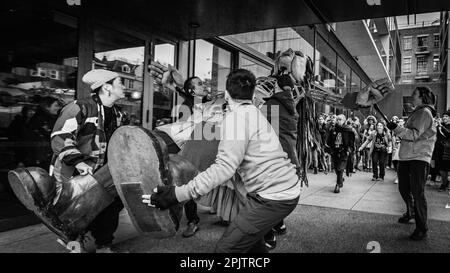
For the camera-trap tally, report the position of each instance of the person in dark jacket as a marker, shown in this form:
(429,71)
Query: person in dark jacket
(280,111)
(341,141)
(442,148)
(41,125)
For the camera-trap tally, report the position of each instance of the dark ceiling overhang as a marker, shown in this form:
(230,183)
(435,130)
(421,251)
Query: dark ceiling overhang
(223,17)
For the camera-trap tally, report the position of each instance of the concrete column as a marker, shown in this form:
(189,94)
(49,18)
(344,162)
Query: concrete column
(85,54)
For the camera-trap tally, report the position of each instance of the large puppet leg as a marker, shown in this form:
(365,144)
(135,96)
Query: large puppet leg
(139,161)
(69,212)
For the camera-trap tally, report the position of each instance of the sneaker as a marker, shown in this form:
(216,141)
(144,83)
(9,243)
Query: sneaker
(191,229)
(279,230)
(271,243)
(418,235)
(337,189)
(374,179)
(405,218)
(381,179)
(396,181)
(447,206)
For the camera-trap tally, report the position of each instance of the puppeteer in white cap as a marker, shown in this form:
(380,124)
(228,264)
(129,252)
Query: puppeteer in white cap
(79,140)
(97,77)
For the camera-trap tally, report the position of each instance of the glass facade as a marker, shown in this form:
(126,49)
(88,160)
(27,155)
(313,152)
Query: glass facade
(255,67)
(261,41)
(325,65)
(163,97)
(297,38)
(343,77)
(38,76)
(123,54)
(356,82)
(212,65)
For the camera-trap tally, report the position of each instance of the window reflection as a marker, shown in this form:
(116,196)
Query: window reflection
(325,65)
(38,73)
(163,97)
(297,38)
(123,54)
(356,82)
(256,68)
(212,65)
(343,77)
(261,41)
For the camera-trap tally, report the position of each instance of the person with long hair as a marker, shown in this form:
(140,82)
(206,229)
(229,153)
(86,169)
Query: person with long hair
(418,138)
(381,142)
(367,151)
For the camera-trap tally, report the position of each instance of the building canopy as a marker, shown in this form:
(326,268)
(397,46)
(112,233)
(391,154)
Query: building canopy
(218,17)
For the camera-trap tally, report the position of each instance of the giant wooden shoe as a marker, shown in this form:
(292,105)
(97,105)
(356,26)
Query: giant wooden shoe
(139,162)
(68,211)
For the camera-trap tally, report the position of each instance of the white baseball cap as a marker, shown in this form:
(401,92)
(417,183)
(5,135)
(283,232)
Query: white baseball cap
(97,77)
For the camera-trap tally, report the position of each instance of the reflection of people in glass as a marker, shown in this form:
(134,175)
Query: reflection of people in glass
(41,125)
(19,134)
(79,141)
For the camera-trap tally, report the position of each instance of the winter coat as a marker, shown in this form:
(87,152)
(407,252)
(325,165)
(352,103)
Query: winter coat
(418,135)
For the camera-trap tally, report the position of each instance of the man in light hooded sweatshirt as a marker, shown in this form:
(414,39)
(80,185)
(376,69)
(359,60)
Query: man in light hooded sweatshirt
(250,146)
(416,148)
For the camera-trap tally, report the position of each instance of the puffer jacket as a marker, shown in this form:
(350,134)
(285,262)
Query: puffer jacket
(418,135)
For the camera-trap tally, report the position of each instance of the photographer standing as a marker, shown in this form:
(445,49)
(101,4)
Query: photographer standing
(418,138)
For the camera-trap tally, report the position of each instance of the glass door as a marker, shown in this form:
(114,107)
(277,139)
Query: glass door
(161,99)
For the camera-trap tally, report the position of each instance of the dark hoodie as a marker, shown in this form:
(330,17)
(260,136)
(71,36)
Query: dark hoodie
(347,139)
(284,122)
